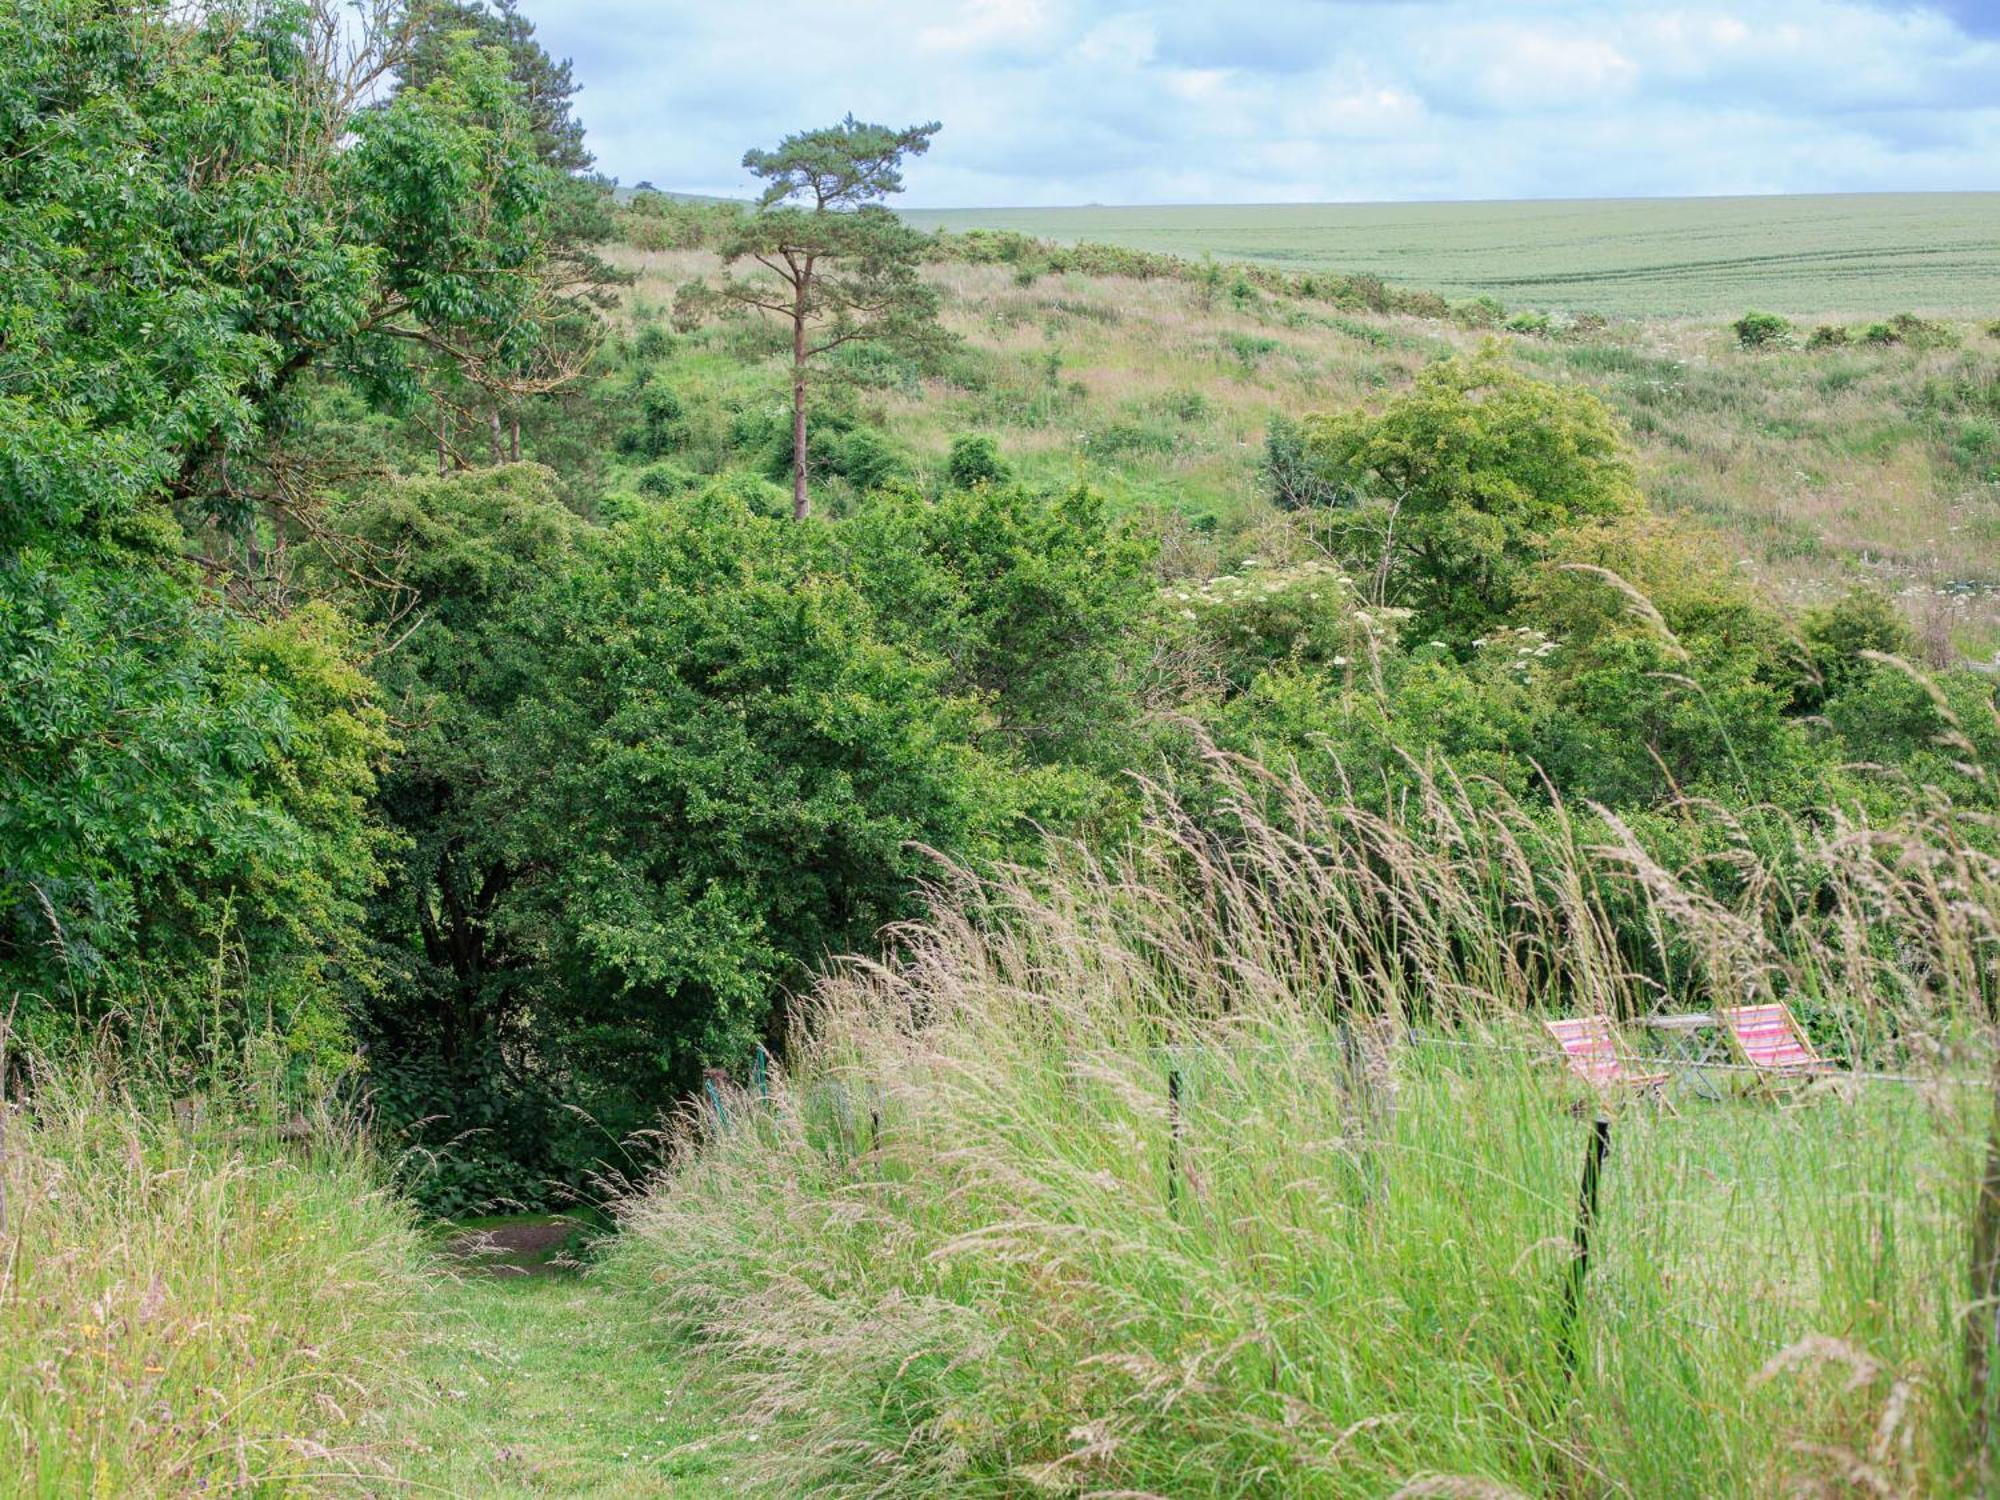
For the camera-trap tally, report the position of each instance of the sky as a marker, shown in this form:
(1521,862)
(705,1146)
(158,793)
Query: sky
(1282,101)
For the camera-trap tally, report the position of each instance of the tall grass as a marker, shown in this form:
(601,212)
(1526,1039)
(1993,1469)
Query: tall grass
(188,1302)
(969,1247)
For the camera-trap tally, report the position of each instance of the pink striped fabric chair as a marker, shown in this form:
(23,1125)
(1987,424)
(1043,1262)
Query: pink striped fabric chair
(1770,1040)
(1590,1047)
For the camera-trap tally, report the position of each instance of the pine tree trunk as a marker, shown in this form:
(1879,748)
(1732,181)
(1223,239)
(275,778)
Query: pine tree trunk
(801,502)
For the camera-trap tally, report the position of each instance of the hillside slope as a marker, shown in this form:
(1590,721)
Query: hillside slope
(1825,466)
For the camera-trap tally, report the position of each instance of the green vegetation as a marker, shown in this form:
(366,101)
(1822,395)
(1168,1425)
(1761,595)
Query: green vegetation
(977,1241)
(549,1386)
(427,698)
(841,271)
(188,1303)
(1700,257)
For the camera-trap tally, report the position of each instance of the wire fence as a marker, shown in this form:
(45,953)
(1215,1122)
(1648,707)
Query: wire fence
(1354,1064)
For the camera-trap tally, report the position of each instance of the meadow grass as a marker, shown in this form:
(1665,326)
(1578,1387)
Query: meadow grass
(1825,468)
(544,1385)
(970,1247)
(188,1303)
(1833,255)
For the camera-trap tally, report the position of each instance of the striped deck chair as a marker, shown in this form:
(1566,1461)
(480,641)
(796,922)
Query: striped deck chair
(1590,1047)
(1771,1042)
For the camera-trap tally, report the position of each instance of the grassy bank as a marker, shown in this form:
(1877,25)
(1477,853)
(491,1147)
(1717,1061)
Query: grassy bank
(188,1303)
(972,1247)
(1823,468)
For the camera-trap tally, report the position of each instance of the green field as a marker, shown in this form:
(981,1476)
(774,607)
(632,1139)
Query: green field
(1852,254)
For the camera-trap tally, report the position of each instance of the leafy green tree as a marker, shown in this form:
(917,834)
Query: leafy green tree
(1464,480)
(1036,601)
(1291,478)
(203,228)
(657,772)
(547,87)
(405,246)
(974,460)
(578,210)
(833,262)
(182,789)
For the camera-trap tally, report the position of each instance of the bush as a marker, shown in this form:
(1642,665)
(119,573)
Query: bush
(1467,477)
(661,427)
(1479,312)
(862,456)
(1423,305)
(1036,601)
(1532,324)
(664,481)
(1761,330)
(652,345)
(1829,336)
(1290,477)
(974,460)
(1923,333)
(1881,334)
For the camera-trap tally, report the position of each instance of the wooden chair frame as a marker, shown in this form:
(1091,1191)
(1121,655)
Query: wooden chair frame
(1590,1050)
(1771,1042)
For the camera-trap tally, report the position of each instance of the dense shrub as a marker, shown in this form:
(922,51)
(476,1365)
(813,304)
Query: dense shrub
(1828,336)
(1479,312)
(1290,477)
(660,769)
(974,460)
(1922,333)
(1465,479)
(1035,600)
(1761,330)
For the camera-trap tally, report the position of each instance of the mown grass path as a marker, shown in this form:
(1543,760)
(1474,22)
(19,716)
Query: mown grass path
(544,1385)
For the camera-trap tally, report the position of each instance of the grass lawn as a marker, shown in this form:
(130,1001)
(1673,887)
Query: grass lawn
(544,1385)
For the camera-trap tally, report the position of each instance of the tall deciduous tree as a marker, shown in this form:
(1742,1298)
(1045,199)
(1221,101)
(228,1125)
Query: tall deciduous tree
(200,212)
(577,207)
(830,258)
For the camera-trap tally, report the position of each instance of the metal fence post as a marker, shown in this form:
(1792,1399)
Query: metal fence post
(1173,1137)
(1579,1266)
(712,1080)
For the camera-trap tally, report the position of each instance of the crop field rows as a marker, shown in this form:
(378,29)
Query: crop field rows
(1834,254)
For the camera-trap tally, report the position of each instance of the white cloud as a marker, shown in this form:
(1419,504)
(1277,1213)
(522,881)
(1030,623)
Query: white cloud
(983,26)
(1064,101)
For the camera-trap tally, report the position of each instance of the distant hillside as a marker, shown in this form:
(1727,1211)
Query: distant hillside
(1871,461)
(1702,257)
(627,194)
